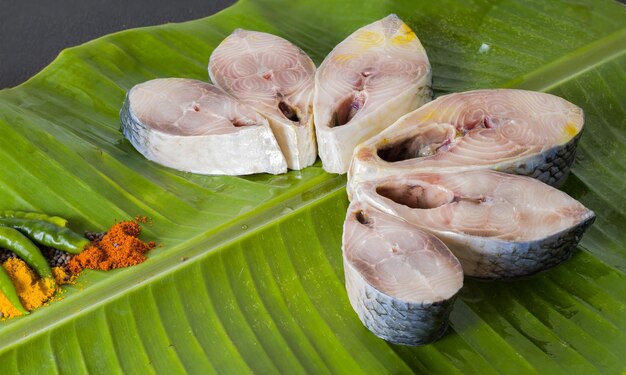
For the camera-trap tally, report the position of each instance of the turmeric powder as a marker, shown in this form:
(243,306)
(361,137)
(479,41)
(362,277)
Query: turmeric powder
(62,276)
(32,290)
(118,248)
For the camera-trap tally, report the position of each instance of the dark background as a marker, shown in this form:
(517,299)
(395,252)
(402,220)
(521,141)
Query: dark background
(33,32)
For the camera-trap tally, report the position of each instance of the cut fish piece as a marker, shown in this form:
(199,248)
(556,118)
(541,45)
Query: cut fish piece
(498,225)
(367,82)
(401,281)
(514,131)
(196,127)
(277,79)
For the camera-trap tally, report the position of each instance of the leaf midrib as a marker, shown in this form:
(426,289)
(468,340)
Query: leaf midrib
(191,251)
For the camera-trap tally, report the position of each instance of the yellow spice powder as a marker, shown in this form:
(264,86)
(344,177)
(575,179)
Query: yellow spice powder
(63,277)
(32,290)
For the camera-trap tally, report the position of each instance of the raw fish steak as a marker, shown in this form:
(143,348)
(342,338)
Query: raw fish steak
(277,79)
(514,131)
(196,127)
(401,281)
(498,225)
(377,74)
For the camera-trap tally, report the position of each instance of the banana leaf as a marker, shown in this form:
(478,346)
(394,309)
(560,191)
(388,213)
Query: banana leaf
(249,276)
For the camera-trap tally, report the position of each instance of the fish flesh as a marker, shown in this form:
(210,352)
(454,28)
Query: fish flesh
(377,74)
(513,131)
(498,225)
(196,127)
(401,281)
(277,79)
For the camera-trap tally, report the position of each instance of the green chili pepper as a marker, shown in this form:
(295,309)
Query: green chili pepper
(56,220)
(48,234)
(12,239)
(8,289)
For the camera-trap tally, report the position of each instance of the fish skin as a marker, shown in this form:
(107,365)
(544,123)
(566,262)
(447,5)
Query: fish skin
(415,320)
(296,139)
(506,260)
(399,322)
(222,149)
(552,166)
(548,159)
(383,62)
(493,254)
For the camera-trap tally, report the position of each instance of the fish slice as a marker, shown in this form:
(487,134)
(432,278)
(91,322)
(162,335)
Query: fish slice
(377,74)
(275,78)
(196,127)
(498,225)
(401,281)
(514,131)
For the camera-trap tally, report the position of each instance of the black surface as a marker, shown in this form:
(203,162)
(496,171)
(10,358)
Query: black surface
(33,32)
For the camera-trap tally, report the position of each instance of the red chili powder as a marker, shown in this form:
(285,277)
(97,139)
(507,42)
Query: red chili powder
(119,248)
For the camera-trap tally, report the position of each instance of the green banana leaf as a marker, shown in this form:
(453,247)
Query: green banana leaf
(249,277)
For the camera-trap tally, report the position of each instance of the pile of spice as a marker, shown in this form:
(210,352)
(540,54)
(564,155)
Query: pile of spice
(117,248)
(32,290)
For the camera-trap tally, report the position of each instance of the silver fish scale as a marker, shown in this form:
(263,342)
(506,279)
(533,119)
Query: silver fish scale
(394,320)
(129,121)
(525,259)
(551,167)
